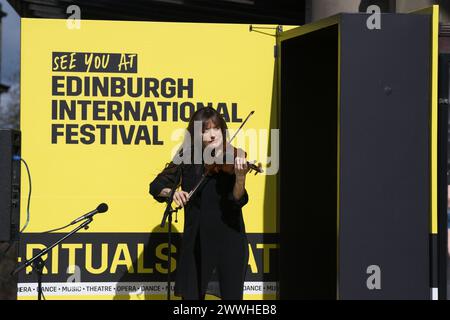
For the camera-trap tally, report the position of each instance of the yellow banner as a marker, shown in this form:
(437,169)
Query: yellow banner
(102,108)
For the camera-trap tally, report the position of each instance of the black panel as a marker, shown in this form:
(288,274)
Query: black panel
(385,156)
(443,138)
(308,194)
(9,185)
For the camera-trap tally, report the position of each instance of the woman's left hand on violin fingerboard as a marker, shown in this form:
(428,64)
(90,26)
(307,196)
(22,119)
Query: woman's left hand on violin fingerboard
(240,166)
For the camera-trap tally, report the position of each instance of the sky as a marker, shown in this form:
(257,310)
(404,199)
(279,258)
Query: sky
(10,47)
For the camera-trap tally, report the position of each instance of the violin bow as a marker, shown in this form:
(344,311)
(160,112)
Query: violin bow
(250,114)
(237,131)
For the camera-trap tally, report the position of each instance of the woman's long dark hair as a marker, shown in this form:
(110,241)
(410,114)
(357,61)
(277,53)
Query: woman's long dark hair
(204,115)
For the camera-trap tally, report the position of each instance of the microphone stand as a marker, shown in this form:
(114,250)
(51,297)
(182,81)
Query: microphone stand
(38,264)
(168,216)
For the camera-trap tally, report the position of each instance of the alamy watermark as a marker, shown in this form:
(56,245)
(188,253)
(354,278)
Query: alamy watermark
(74,20)
(193,150)
(373,22)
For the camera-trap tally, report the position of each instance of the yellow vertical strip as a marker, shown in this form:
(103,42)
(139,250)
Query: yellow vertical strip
(434,116)
(434,12)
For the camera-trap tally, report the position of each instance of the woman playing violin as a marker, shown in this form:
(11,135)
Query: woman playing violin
(214,251)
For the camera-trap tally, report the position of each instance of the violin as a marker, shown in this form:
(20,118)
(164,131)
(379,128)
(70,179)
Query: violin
(227,165)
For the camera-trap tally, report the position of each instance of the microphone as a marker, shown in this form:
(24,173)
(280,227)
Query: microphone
(103,207)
